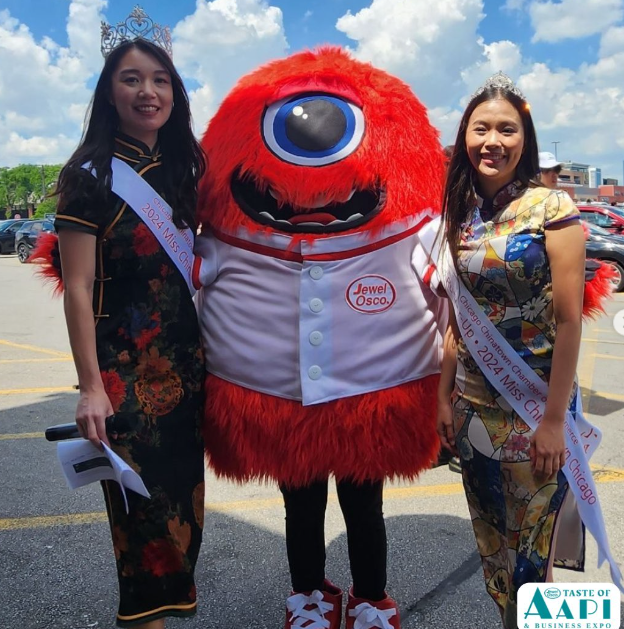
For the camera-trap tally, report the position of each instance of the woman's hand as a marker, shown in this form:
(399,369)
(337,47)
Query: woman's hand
(93,409)
(445,428)
(547,448)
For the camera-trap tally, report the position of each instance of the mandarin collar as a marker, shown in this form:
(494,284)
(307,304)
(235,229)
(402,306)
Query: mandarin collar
(134,149)
(503,197)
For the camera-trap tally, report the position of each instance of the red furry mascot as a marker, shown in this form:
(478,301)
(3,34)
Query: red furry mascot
(322,335)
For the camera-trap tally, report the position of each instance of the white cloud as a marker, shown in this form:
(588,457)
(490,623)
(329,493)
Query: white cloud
(203,105)
(42,87)
(42,149)
(571,19)
(27,124)
(221,41)
(503,56)
(426,47)
(83,22)
(612,41)
(446,120)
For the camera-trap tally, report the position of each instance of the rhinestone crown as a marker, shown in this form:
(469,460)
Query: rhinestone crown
(138,25)
(499,81)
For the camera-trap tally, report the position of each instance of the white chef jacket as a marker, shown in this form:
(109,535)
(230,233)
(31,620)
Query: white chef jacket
(319,319)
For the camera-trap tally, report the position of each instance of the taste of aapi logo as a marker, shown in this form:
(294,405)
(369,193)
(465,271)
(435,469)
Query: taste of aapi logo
(568,606)
(371,294)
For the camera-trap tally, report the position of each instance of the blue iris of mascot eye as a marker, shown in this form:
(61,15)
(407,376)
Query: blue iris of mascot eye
(313,130)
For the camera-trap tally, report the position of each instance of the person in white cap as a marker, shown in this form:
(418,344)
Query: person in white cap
(549,169)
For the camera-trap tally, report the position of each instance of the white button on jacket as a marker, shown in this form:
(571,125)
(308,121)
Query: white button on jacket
(316,272)
(316,304)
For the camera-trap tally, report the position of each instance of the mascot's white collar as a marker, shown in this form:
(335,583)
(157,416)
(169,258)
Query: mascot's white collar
(295,247)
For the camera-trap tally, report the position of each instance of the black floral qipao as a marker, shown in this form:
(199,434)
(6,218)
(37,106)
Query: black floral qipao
(151,362)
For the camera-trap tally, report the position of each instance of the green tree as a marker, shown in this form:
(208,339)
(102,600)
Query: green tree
(7,189)
(47,206)
(26,183)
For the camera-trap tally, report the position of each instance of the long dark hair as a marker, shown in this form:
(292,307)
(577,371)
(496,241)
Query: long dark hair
(183,158)
(461,178)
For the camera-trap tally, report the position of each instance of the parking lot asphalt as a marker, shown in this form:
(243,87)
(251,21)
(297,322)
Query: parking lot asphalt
(56,561)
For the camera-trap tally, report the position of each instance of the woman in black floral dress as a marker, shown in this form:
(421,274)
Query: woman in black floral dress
(141,361)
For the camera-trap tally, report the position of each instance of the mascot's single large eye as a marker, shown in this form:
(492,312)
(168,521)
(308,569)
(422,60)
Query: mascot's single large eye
(313,130)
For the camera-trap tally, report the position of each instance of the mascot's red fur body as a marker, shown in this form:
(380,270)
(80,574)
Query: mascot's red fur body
(387,433)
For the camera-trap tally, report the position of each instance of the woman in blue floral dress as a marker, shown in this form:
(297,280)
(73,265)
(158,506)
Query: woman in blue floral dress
(519,249)
(141,361)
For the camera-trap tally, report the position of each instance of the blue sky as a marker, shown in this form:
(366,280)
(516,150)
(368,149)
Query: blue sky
(567,56)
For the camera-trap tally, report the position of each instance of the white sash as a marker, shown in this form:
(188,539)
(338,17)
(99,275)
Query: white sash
(156,213)
(502,366)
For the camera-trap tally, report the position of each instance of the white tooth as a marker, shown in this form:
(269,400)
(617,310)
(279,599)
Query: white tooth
(273,194)
(350,196)
(336,222)
(267,215)
(354,217)
(281,220)
(311,223)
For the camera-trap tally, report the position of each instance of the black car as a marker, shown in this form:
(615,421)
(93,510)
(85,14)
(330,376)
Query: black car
(26,237)
(8,229)
(606,247)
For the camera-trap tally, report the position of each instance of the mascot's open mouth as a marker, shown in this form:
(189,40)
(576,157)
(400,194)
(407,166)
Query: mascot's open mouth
(263,208)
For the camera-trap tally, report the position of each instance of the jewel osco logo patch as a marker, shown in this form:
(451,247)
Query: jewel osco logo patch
(371,294)
(568,606)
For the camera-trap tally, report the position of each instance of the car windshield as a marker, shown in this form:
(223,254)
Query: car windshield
(15,223)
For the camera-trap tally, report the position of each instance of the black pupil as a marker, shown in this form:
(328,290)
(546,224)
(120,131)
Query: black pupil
(316,125)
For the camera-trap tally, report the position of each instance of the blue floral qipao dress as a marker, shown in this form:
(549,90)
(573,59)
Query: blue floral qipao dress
(502,260)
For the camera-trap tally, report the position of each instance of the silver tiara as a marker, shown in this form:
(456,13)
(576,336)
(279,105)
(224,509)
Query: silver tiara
(138,25)
(499,81)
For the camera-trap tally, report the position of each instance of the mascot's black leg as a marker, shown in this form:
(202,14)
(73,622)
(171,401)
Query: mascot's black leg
(305,535)
(362,507)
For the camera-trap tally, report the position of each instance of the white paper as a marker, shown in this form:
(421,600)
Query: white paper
(82,463)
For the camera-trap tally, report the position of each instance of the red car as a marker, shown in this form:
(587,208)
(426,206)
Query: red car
(606,216)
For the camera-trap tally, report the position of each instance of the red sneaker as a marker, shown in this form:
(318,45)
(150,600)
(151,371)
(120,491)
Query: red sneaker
(319,609)
(364,614)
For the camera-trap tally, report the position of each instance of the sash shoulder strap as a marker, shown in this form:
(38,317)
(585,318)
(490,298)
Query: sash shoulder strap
(157,215)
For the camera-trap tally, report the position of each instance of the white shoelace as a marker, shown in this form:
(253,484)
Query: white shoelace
(369,617)
(309,618)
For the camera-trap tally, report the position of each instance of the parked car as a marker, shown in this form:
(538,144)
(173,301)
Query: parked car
(604,246)
(607,216)
(8,229)
(27,235)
